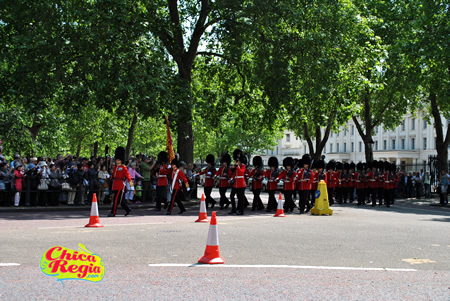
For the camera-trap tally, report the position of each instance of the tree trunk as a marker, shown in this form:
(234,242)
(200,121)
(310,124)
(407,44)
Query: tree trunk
(442,141)
(131,134)
(79,149)
(95,149)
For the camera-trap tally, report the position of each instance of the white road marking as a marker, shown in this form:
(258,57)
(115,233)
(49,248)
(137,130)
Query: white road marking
(106,225)
(278,266)
(8,264)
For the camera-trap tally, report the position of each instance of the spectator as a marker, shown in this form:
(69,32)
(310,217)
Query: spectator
(129,195)
(146,171)
(103,177)
(18,183)
(55,185)
(74,182)
(92,176)
(443,183)
(5,184)
(426,183)
(418,184)
(44,178)
(32,182)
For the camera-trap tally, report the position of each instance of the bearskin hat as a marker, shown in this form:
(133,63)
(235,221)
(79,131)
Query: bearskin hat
(226,158)
(120,154)
(368,165)
(257,161)
(163,157)
(387,166)
(346,166)
(306,158)
(339,166)
(210,159)
(331,165)
(175,161)
(300,163)
(393,168)
(320,164)
(273,162)
(288,161)
(360,166)
(352,166)
(374,164)
(238,155)
(380,165)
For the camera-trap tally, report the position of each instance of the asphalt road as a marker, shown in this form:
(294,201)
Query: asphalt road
(358,253)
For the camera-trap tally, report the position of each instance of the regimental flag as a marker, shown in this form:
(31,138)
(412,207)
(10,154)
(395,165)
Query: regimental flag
(169,144)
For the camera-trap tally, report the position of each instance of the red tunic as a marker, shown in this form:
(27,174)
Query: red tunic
(333,179)
(257,176)
(224,175)
(271,180)
(305,179)
(289,182)
(180,176)
(209,173)
(18,176)
(162,175)
(359,180)
(120,175)
(239,176)
(372,180)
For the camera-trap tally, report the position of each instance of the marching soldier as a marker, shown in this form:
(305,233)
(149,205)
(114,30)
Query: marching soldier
(331,181)
(338,179)
(239,181)
(224,174)
(346,182)
(352,182)
(288,176)
(210,173)
(360,183)
(178,177)
(380,184)
(388,184)
(257,175)
(305,177)
(163,170)
(120,175)
(271,175)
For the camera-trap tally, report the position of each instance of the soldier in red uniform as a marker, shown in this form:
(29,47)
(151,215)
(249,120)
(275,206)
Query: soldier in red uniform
(288,176)
(271,175)
(305,177)
(331,183)
(359,178)
(178,177)
(388,184)
(380,180)
(210,173)
(372,178)
(338,191)
(163,171)
(352,183)
(257,175)
(345,182)
(119,176)
(224,174)
(239,185)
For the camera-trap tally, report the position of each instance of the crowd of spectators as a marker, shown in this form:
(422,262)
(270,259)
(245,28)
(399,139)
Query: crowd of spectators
(46,181)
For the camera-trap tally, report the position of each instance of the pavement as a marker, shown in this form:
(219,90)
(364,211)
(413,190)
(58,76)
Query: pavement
(358,253)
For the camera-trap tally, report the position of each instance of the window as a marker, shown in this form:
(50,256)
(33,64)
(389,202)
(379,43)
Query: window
(345,132)
(376,130)
(360,147)
(403,125)
(393,144)
(413,124)
(288,137)
(345,147)
(277,150)
(424,143)
(376,145)
(403,143)
(337,134)
(384,144)
(337,147)
(353,130)
(425,124)
(413,143)
(331,147)
(353,147)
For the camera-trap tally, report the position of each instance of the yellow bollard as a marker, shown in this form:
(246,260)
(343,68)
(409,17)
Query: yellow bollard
(321,205)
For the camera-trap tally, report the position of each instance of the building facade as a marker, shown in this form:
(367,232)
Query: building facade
(409,145)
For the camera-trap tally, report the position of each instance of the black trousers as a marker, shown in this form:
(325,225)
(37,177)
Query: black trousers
(288,201)
(147,191)
(240,193)
(361,196)
(380,192)
(233,201)
(304,194)
(388,196)
(177,197)
(330,191)
(272,203)
(118,198)
(223,198)
(257,202)
(161,196)
(208,198)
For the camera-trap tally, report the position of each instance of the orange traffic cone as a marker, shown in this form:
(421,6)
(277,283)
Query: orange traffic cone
(212,253)
(203,215)
(94,221)
(280,211)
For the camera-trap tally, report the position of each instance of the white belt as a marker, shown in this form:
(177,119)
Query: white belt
(208,177)
(162,176)
(223,178)
(239,177)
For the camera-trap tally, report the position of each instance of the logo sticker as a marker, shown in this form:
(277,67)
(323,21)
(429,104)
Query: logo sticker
(67,264)
(317,194)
